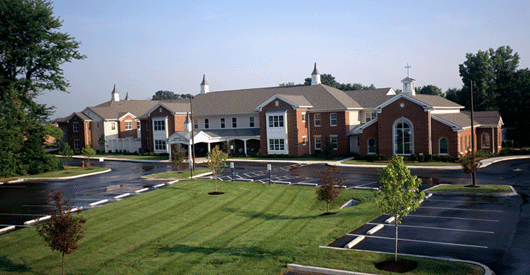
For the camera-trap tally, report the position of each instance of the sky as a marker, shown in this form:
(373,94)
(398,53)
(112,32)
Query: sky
(146,46)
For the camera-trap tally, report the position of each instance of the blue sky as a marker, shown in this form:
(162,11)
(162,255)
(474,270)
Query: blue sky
(146,46)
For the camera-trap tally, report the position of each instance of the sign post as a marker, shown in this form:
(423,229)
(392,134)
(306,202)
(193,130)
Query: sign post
(232,168)
(269,169)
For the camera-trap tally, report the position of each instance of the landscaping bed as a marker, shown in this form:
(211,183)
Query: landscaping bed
(470,189)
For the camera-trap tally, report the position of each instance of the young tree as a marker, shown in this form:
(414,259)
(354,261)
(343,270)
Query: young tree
(331,187)
(32,50)
(67,154)
(470,163)
(216,162)
(102,142)
(62,231)
(88,152)
(399,192)
(177,158)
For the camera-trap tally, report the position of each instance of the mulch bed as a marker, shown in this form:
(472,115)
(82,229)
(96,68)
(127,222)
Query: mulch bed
(401,266)
(327,213)
(216,193)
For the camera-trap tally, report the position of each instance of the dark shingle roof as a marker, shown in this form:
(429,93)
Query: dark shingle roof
(116,109)
(437,101)
(459,119)
(485,117)
(299,100)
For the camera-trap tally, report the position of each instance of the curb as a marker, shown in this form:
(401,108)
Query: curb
(504,194)
(322,270)
(60,178)
(487,270)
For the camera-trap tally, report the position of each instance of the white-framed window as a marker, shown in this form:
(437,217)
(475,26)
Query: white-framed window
(160,145)
(485,140)
(276,121)
(195,124)
(138,125)
(97,125)
(128,125)
(251,121)
(317,120)
(234,122)
(206,123)
(403,137)
(303,117)
(466,146)
(222,122)
(113,126)
(369,116)
(75,126)
(333,119)
(277,103)
(371,146)
(443,146)
(276,144)
(147,141)
(159,125)
(76,144)
(318,143)
(304,140)
(334,142)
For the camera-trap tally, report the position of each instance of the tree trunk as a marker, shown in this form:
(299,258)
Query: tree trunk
(63,263)
(215,183)
(395,253)
(328,206)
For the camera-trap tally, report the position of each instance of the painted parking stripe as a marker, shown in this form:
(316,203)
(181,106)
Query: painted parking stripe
(418,241)
(460,209)
(456,218)
(366,184)
(439,228)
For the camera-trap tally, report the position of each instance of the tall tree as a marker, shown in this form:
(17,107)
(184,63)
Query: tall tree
(62,231)
(165,95)
(32,51)
(329,80)
(429,90)
(399,192)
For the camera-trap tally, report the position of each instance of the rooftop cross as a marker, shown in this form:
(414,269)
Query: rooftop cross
(408,67)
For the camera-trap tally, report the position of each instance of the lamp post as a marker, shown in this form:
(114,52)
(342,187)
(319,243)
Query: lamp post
(192,137)
(473,174)
(232,168)
(269,169)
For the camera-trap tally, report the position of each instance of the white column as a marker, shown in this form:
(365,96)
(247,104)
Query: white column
(492,141)
(189,150)
(209,147)
(245,146)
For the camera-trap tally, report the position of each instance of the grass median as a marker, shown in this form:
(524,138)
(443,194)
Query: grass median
(183,174)
(468,189)
(430,163)
(253,228)
(69,172)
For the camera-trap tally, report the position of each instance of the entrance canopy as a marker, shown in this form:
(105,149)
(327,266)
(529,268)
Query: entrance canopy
(212,136)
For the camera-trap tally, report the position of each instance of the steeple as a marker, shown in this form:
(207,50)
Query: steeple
(205,88)
(127,96)
(408,83)
(114,96)
(315,76)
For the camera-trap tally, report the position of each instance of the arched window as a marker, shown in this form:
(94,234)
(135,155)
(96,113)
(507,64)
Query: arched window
(371,146)
(403,137)
(485,140)
(443,146)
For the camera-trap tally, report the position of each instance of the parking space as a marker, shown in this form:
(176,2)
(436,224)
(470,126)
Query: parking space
(292,174)
(468,228)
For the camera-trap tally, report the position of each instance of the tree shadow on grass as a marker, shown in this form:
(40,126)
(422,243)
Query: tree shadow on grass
(246,252)
(7,265)
(266,216)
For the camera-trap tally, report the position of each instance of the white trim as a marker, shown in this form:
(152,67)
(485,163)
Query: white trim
(368,146)
(315,120)
(482,141)
(266,102)
(127,114)
(439,147)
(405,96)
(337,138)
(359,129)
(411,137)
(336,120)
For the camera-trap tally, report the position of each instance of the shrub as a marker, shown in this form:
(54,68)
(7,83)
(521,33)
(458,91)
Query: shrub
(428,157)
(435,157)
(421,157)
(413,158)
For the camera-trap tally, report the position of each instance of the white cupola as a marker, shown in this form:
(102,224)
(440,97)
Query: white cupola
(114,95)
(127,96)
(408,83)
(205,88)
(315,76)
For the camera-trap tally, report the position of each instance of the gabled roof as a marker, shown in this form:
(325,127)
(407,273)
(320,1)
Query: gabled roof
(426,101)
(457,121)
(371,98)
(80,115)
(486,117)
(115,109)
(359,128)
(321,97)
(297,101)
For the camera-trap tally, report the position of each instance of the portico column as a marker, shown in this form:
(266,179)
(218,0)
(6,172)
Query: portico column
(189,150)
(245,146)
(209,147)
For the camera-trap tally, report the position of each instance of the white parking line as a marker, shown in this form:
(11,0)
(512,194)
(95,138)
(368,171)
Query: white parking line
(366,184)
(431,242)
(439,228)
(448,208)
(456,218)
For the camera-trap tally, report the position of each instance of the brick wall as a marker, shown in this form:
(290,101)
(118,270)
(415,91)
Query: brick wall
(369,132)
(81,135)
(440,130)
(122,133)
(325,130)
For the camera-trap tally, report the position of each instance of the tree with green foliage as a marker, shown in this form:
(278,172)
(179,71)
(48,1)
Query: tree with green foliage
(177,158)
(470,163)
(331,186)
(169,95)
(102,142)
(399,192)
(429,90)
(329,80)
(32,50)
(62,231)
(287,84)
(67,154)
(216,163)
(514,105)
(88,152)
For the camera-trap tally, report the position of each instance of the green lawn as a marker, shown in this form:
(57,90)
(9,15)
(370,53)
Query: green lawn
(71,171)
(479,189)
(430,163)
(253,228)
(288,158)
(184,174)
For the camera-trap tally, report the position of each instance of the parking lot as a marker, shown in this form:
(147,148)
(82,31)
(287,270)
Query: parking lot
(292,174)
(469,228)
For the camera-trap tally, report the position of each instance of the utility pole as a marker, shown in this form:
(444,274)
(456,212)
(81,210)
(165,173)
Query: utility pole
(474,174)
(192,136)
